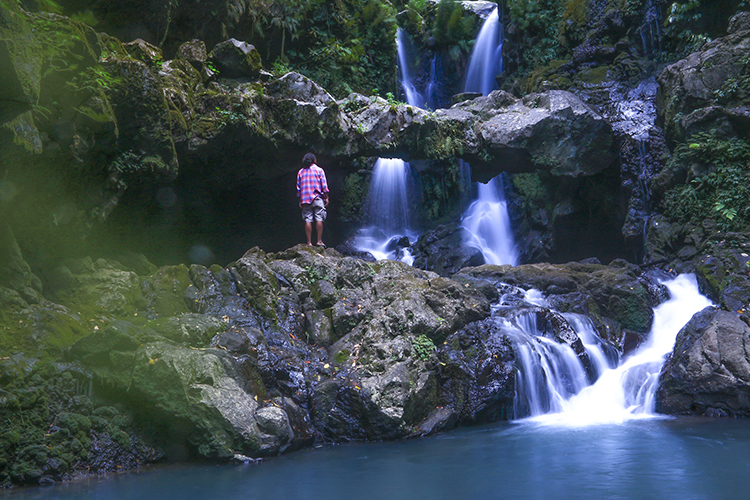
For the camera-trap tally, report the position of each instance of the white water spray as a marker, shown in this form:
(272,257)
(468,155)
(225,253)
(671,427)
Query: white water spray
(627,392)
(487,226)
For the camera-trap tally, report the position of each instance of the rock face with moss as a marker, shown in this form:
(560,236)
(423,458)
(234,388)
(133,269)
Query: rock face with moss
(707,90)
(20,63)
(143,122)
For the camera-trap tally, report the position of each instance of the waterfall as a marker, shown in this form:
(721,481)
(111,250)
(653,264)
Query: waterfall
(413,97)
(487,227)
(486,61)
(486,222)
(387,209)
(389,217)
(549,388)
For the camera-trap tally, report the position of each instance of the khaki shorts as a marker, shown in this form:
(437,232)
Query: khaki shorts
(314,211)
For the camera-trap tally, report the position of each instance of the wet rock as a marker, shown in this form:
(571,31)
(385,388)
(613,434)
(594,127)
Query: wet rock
(477,374)
(443,251)
(601,292)
(195,330)
(708,371)
(236,59)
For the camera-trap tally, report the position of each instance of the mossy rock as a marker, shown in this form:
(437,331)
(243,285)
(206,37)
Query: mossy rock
(20,63)
(236,59)
(164,291)
(190,329)
(97,289)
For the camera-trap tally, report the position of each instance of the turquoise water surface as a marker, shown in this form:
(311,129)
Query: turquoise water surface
(690,458)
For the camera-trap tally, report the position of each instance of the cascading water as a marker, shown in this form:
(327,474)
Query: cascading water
(549,387)
(486,222)
(486,61)
(413,97)
(387,205)
(487,227)
(388,214)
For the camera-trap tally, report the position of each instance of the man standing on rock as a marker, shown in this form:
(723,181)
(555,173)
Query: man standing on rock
(312,192)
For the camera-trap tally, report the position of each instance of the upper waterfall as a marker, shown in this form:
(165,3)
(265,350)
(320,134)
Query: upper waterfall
(486,60)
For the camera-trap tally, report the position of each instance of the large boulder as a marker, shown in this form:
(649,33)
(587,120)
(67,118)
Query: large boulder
(443,250)
(236,59)
(708,371)
(199,391)
(703,92)
(553,131)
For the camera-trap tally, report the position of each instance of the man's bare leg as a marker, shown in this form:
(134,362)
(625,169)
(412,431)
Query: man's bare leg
(319,228)
(308,233)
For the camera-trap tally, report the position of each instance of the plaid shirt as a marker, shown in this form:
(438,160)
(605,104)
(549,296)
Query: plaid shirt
(311,183)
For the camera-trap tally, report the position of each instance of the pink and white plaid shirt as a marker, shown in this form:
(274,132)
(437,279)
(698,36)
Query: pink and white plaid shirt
(311,183)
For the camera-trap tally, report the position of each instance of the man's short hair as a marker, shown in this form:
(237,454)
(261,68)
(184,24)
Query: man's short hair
(308,160)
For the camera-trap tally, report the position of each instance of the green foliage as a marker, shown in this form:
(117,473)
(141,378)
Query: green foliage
(531,188)
(313,275)
(441,192)
(451,27)
(543,23)
(344,45)
(678,29)
(423,347)
(718,186)
(736,88)
(97,81)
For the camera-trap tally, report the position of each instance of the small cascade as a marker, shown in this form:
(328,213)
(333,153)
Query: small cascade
(413,97)
(549,386)
(389,218)
(487,226)
(486,61)
(650,30)
(550,372)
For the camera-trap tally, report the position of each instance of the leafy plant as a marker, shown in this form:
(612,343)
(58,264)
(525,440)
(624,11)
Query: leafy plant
(719,186)
(423,347)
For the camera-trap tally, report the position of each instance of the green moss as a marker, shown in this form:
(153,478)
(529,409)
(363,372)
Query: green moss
(595,75)
(445,141)
(164,291)
(48,424)
(341,356)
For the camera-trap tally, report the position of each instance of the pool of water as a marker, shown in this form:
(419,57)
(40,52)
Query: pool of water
(684,459)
